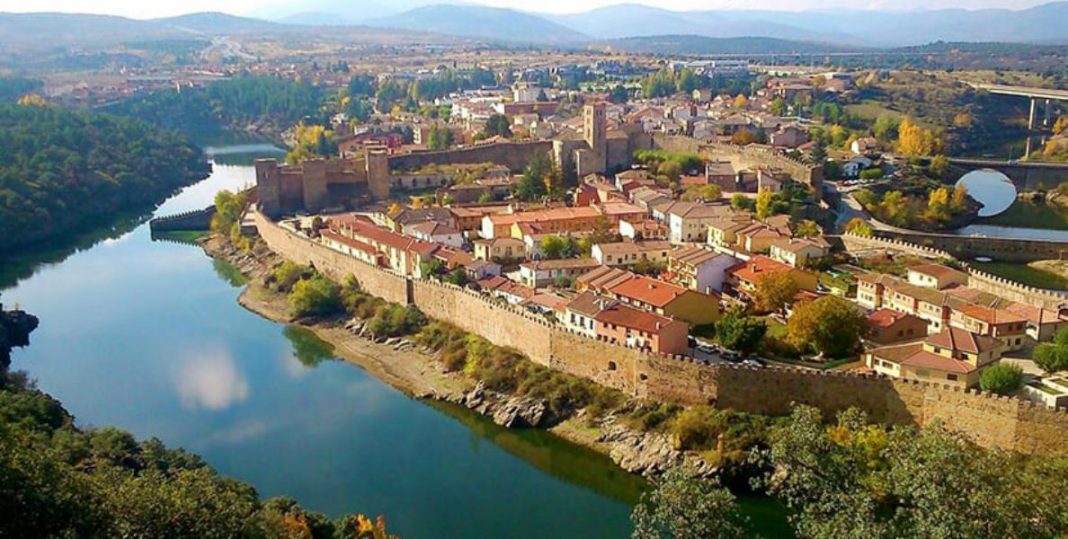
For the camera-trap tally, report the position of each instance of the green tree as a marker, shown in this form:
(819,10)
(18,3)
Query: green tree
(774,291)
(939,166)
(1001,378)
(684,506)
(859,227)
(532,185)
(807,229)
(497,125)
(742,202)
(828,325)
(554,247)
(619,94)
(439,137)
(1053,357)
(314,296)
(739,332)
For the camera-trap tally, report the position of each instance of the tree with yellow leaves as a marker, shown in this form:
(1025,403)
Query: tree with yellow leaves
(774,291)
(914,140)
(32,100)
(938,206)
(741,101)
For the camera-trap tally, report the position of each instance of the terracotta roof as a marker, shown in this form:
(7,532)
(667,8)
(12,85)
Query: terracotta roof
(928,360)
(1034,315)
(563,263)
(359,245)
(991,316)
(938,271)
(638,246)
(551,301)
(752,270)
(958,339)
(629,317)
(433,228)
(694,256)
(604,277)
(885,318)
(648,291)
(589,304)
(365,230)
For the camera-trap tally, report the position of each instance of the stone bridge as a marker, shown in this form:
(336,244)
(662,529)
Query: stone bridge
(187,221)
(1026,175)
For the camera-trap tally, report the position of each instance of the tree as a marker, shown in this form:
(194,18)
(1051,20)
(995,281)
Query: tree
(742,202)
(886,127)
(859,227)
(672,170)
(458,277)
(938,209)
(531,185)
(939,166)
(764,202)
(554,247)
(685,506)
(741,101)
(1061,125)
(439,137)
(315,296)
(1001,378)
(774,291)
(777,107)
(807,229)
(913,140)
(895,208)
(829,325)
(619,94)
(819,151)
(497,125)
(1053,357)
(739,332)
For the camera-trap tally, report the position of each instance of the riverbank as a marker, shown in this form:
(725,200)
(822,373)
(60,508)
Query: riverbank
(417,372)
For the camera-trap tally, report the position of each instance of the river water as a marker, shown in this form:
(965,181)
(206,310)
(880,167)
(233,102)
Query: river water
(148,336)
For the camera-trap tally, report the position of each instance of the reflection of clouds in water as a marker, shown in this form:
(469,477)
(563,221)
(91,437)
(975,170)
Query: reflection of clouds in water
(293,367)
(238,433)
(211,381)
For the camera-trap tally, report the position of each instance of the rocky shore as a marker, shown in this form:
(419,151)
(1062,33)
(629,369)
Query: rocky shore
(416,371)
(15,329)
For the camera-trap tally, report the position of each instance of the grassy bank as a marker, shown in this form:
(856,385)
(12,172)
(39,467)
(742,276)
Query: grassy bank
(1030,215)
(1023,273)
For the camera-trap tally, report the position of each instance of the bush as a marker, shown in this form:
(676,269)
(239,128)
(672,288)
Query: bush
(871,174)
(316,296)
(1002,378)
(739,332)
(650,416)
(285,276)
(700,428)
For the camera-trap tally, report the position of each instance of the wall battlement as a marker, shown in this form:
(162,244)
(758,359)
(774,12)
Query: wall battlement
(990,420)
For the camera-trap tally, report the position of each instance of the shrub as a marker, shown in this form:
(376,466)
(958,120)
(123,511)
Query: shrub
(700,428)
(1002,378)
(286,275)
(314,296)
(649,416)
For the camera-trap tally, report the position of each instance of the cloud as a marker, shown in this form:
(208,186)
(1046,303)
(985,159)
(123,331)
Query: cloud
(210,381)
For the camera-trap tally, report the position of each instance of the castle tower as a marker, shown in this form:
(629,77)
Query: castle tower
(315,194)
(268,187)
(595,131)
(378,181)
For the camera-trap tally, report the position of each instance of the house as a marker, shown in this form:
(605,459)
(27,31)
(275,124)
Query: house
(789,136)
(688,221)
(499,249)
(506,289)
(1042,324)
(936,276)
(865,146)
(403,217)
(853,167)
(887,326)
(626,253)
(402,254)
(559,220)
(1008,327)
(649,229)
(1051,391)
(581,313)
(723,232)
(481,269)
(698,269)
(541,273)
(356,249)
(799,252)
(758,237)
(653,295)
(745,276)
(954,357)
(721,173)
(635,328)
(469,218)
(771,179)
(433,231)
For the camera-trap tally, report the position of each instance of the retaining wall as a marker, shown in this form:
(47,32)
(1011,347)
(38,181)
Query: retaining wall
(989,420)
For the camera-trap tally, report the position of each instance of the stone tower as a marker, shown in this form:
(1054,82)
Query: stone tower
(595,131)
(268,187)
(378,181)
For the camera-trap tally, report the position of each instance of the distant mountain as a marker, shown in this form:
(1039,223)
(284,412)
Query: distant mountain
(216,23)
(689,44)
(1041,24)
(45,31)
(335,12)
(637,20)
(315,18)
(481,22)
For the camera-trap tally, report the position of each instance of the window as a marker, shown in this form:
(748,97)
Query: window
(952,377)
(611,365)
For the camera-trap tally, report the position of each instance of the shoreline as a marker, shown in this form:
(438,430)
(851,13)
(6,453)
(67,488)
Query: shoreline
(408,369)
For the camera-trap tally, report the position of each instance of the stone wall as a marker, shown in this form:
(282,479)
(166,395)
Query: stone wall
(980,280)
(741,157)
(190,220)
(514,155)
(989,420)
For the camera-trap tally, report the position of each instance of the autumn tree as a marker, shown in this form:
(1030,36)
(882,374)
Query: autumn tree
(896,208)
(939,166)
(1061,125)
(914,140)
(315,296)
(829,325)
(741,101)
(807,229)
(774,291)
(859,227)
(938,209)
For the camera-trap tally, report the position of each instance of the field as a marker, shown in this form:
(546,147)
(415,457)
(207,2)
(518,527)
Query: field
(1028,215)
(1023,273)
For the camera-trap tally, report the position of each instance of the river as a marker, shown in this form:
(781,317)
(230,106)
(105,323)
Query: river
(148,336)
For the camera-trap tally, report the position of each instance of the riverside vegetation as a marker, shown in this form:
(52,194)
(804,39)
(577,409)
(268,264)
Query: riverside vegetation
(59,480)
(62,169)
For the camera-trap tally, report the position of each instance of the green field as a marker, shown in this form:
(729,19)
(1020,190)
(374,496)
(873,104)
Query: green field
(1022,273)
(1028,215)
(871,110)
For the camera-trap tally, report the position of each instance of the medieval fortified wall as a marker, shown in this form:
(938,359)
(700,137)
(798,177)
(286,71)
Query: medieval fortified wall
(990,420)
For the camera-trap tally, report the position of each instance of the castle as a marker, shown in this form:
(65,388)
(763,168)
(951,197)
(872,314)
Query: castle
(318,184)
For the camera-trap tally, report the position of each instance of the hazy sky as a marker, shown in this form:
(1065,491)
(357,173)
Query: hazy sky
(159,8)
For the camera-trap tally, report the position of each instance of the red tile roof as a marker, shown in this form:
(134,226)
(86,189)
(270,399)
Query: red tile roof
(648,291)
(629,317)
(752,270)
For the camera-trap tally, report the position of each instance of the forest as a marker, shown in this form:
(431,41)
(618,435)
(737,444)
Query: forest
(12,88)
(61,169)
(265,104)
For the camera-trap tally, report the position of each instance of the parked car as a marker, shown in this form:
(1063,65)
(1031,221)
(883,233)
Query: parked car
(756,362)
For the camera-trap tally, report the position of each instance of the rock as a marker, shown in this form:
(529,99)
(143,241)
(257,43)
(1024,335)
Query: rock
(520,412)
(646,453)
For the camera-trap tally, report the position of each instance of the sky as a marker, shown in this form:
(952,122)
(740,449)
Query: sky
(159,8)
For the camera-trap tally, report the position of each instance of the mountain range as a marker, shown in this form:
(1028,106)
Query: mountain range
(623,26)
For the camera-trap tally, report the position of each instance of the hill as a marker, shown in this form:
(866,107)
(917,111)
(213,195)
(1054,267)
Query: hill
(44,31)
(481,22)
(690,44)
(216,23)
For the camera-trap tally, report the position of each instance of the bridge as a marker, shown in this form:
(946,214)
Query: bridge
(1034,94)
(1026,175)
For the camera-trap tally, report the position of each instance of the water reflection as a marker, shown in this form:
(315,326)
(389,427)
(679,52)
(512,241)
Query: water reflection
(993,189)
(210,380)
(308,349)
